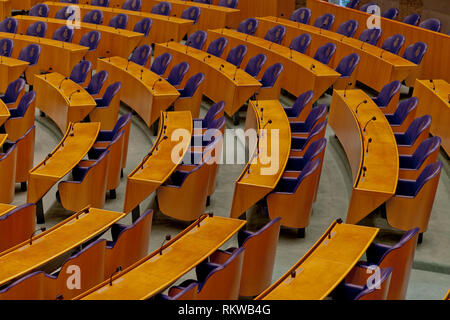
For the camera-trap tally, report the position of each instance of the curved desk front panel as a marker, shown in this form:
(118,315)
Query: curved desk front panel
(10,70)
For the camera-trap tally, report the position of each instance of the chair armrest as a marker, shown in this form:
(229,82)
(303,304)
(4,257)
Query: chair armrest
(375,252)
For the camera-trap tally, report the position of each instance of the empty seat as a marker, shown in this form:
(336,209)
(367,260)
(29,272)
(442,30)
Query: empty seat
(191,13)
(276,34)
(393,43)
(248,26)
(6,47)
(134,5)
(65,13)
(302,128)
(107,107)
(301,15)
(39,10)
(100,3)
(17,225)
(214,112)
(96,83)
(94,16)
(30,54)
(229,3)
(160,63)
(8,174)
(203,1)
(255,65)
(69,1)
(21,118)
(143,26)
(301,107)
(348,28)
(391,13)
(270,86)
(404,115)
(299,145)
(180,293)
(217,46)
(353,4)
(91,40)
(366,7)
(415,52)
(412,19)
(63,33)
(418,131)
(162,8)
(190,97)
(177,73)
(301,43)
(325,53)
(371,36)
(9,25)
(87,187)
(432,24)
(387,99)
(399,257)
(37,29)
(236,55)
(80,72)
(426,153)
(325,21)
(119,22)
(346,68)
(13,93)
(197,39)
(140,55)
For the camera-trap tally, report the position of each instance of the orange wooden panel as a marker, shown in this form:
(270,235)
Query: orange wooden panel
(10,70)
(4,112)
(17,226)
(5,9)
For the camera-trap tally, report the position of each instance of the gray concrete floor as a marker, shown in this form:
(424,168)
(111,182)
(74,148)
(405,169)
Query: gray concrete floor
(430,278)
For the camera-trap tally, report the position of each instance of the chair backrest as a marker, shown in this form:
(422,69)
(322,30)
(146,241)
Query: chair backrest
(69,1)
(301,101)
(65,13)
(229,3)
(348,28)
(143,26)
(416,127)
(412,19)
(432,24)
(39,10)
(91,39)
(315,149)
(204,1)
(162,8)
(80,71)
(192,84)
(37,29)
(63,33)
(94,16)
(177,73)
(301,15)
(348,64)
(353,4)
(404,108)
(9,25)
(387,93)
(17,225)
(371,36)
(378,290)
(428,173)
(160,63)
(415,52)
(197,39)
(121,123)
(255,64)
(13,91)
(119,22)
(317,132)
(96,82)
(100,3)
(217,46)
(25,102)
(141,55)
(308,170)
(134,5)
(315,114)
(301,43)
(276,34)
(6,47)
(393,43)
(271,75)
(325,53)
(110,92)
(325,21)
(213,112)
(248,26)
(191,13)
(424,150)
(237,54)
(391,13)
(365,7)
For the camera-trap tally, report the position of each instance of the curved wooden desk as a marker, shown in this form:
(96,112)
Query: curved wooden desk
(5,9)
(77,141)
(258,177)
(163,28)
(141,89)
(436,103)
(4,114)
(159,270)
(113,42)
(433,65)
(388,66)
(23,4)
(61,238)
(55,55)
(298,76)
(59,98)
(10,70)
(374,163)
(158,164)
(220,83)
(324,266)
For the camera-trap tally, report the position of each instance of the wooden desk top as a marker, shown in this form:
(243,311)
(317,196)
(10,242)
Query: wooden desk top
(77,141)
(158,165)
(4,113)
(68,88)
(324,266)
(156,272)
(442,89)
(12,62)
(147,5)
(54,242)
(5,208)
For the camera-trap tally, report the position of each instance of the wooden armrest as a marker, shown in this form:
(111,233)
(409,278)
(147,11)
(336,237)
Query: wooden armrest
(101,144)
(86,163)
(291,174)
(359,275)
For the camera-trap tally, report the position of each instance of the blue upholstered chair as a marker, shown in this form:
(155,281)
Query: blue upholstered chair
(39,10)
(191,86)
(276,34)
(197,39)
(432,24)
(13,91)
(353,4)
(365,7)
(301,43)
(325,53)
(248,26)
(140,55)
(63,33)
(30,54)
(203,1)
(6,47)
(190,98)
(69,1)
(107,107)
(94,16)
(37,29)
(324,21)
(143,26)
(100,3)
(403,115)
(270,87)
(134,5)
(160,63)
(91,40)
(96,83)
(316,115)
(177,74)
(299,145)
(391,13)
(9,25)
(371,36)
(217,46)
(412,19)
(80,72)
(237,54)
(417,131)
(348,28)
(393,43)
(301,15)
(388,97)
(415,52)
(299,105)
(65,13)
(214,112)
(316,150)
(119,22)
(162,8)
(21,117)
(180,293)
(346,68)
(24,103)
(255,65)
(191,13)
(229,3)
